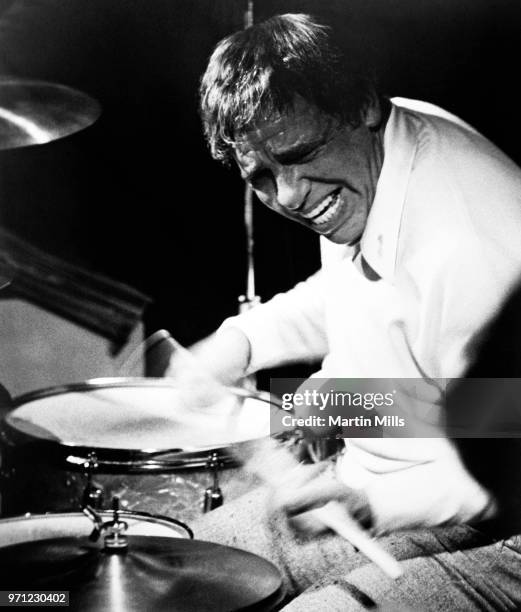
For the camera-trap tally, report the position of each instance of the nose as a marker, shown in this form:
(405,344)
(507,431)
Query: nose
(292,190)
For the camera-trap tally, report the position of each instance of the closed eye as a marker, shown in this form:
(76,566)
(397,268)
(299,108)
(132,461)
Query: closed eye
(299,155)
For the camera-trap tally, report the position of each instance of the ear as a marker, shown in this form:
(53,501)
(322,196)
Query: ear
(372,113)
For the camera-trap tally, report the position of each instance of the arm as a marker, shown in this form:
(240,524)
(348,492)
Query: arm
(224,355)
(287,329)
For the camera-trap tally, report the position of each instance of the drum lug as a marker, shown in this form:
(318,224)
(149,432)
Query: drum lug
(93,496)
(93,492)
(213,497)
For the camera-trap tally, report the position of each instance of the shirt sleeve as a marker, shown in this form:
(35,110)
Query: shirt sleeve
(287,329)
(471,284)
(442,492)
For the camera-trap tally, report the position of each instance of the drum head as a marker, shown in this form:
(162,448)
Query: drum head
(133,418)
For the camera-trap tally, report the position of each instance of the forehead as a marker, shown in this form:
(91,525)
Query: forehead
(298,125)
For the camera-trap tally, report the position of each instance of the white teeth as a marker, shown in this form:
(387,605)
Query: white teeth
(318,209)
(332,207)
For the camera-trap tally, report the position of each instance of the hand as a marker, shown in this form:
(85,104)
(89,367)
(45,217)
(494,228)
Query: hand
(203,372)
(304,488)
(197,388)
(441,492)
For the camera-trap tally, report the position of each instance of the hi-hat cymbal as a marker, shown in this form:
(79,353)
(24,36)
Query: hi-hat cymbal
(155,573)
(36,112)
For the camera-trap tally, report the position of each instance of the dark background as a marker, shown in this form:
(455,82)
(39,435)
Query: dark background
(137,197)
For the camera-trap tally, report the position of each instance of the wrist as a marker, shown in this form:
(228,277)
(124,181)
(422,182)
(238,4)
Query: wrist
(225,355)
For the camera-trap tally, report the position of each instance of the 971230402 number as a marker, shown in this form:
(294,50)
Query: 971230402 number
(34,598)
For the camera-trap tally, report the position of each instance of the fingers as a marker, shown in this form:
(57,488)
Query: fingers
(309,495)
(306,488)
(308,523)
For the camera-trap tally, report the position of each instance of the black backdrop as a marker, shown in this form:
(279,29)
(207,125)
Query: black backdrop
(137,196)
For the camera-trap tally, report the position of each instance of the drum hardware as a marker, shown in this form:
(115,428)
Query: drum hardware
(115,541)
(97,521)
(213,496)
(93,492)
(143,466)
(250,299)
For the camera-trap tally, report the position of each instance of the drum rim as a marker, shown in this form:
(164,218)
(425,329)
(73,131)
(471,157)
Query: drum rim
(114,382)
(128,514)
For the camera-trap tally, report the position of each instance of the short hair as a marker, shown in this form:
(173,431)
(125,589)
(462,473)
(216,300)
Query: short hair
(256,73)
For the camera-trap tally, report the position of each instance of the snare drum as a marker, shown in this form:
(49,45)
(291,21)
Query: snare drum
(144,446)
(32,528)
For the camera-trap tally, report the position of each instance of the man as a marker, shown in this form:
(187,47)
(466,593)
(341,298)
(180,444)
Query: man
(425,217)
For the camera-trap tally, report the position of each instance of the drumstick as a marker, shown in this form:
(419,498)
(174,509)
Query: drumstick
(269,460)
(333,516)
(137,356)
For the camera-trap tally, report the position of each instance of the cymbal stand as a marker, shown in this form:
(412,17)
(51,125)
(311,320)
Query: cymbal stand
(249,300)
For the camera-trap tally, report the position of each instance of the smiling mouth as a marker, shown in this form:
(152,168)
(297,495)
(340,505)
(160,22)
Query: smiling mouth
(325,211)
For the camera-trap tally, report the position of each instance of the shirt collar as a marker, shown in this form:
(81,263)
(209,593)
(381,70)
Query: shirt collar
(379,242)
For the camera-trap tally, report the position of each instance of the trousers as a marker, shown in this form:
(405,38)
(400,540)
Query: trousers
(445,569)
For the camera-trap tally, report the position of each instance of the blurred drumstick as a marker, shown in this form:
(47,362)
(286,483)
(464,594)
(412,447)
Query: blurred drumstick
(270,460)
(154,354)
(333,516)
(136,362)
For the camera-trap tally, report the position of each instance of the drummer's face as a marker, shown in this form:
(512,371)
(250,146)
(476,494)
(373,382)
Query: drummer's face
(311,168)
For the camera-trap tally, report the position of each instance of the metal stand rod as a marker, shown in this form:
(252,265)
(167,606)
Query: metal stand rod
(249,299)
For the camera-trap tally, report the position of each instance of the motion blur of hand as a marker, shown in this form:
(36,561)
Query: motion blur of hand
(204,371)
(298,489)
(304,488)
(198,389)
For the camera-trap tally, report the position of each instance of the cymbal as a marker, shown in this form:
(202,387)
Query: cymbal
(155,573)
(36,112)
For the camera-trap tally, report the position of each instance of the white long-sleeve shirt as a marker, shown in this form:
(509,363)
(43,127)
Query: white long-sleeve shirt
(440,252)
